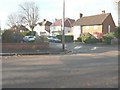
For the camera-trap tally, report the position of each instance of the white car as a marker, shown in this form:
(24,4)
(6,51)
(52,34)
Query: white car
(29,38)
(53,39)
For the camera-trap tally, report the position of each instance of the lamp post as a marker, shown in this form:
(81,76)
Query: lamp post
(63,27)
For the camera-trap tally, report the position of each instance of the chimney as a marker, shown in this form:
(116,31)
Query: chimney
(81,15)
(44,19)
(103,12)
(56,19)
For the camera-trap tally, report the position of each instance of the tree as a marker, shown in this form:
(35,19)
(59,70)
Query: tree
(29,13)
(14,19)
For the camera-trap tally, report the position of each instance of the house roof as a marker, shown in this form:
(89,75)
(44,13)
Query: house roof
(45,23)
(68,22)
(91,20)
(19,27)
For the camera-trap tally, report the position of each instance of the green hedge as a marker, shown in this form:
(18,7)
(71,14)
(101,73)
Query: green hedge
(68,38)
(10,36)
(88,38)
(108,37)
(117,32)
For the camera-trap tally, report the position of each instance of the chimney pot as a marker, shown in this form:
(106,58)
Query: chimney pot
(103,12)
(44,19)
(81,15)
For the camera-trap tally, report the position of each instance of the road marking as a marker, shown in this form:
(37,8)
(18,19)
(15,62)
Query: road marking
(94,48)
(77,47)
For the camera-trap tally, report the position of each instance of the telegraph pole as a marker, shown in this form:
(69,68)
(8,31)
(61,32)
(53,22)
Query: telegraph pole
(63,27)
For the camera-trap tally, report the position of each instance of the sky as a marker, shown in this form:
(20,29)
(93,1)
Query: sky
(51,9)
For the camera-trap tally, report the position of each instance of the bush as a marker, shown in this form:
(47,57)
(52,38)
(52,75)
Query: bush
(42,39)
(30,33)
(78,39)
(68,38)
(25,33)
(117,32)
(10,36)
(88,38)
(107,38)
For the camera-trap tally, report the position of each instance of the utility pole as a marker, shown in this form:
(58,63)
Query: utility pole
(63,26)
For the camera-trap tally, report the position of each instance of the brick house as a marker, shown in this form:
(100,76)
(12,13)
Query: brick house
(101,23)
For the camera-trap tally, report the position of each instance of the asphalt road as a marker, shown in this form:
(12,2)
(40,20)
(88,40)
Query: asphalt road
(77,48)
(93,70)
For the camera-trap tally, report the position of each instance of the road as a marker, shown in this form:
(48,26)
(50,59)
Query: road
(77,48)
(86,70)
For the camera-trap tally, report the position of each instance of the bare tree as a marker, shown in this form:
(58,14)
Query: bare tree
(14,19)
(29,13)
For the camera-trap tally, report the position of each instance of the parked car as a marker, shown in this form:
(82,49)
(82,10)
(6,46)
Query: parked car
(53,39)
(28,38)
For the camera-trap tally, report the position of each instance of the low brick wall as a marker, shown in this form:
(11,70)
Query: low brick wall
(25,46)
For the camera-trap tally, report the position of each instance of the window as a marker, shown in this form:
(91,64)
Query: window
(87,27)
(109,28)
(95,27)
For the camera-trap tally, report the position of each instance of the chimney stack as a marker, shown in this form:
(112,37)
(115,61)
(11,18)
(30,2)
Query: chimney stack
(103,12)
(44,19)
(81,15)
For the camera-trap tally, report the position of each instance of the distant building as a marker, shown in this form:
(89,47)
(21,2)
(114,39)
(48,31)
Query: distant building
(43,28)
(56,27)
(19,28)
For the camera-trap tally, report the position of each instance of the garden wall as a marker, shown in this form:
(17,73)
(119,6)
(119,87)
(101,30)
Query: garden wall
(25,46)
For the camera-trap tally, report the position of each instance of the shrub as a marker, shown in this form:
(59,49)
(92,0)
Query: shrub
(31,33)
(107,38)
(117,32)
(88,38)
(42,39)
(79,39)
(68,38)
(10,36)
(25,33)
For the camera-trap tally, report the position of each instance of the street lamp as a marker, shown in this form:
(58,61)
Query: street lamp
(63,26)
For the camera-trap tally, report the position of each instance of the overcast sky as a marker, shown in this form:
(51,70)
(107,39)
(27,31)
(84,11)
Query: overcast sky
(51,9)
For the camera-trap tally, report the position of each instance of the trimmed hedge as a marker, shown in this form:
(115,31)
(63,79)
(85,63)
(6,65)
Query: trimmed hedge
(68,38)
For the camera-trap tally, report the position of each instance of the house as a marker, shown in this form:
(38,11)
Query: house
(102,23)
(19,28)
(56,27)
(43,28)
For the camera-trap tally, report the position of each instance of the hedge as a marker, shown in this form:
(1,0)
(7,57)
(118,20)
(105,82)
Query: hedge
(107,38)
(88,38)
(68,38)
